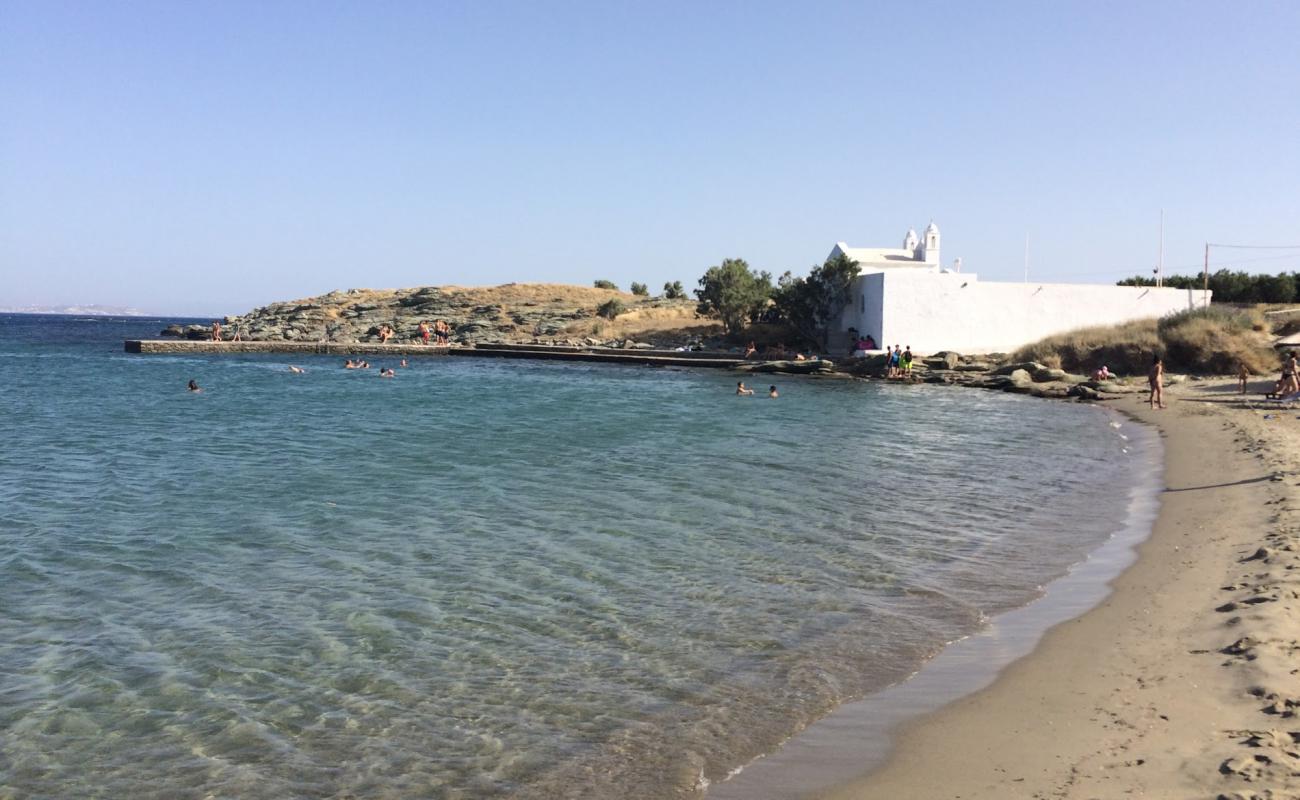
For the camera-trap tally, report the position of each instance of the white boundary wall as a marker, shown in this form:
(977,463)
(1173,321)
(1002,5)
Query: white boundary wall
(932,311)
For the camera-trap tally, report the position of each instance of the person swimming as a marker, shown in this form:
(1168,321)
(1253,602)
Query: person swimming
(740,388)
(403,364)
(387,373)
(296,370)
(771,391)
(193,386)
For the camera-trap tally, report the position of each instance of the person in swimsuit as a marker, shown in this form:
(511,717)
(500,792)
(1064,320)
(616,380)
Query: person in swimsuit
(296,370)
(740,388)
(403,364)
(1290,375)
(1243,375)
(1156,378)
(193,386)
(216,330)
(424,331)
(771,392)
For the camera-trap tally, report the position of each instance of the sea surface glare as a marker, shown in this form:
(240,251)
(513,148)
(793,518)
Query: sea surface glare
(487,578)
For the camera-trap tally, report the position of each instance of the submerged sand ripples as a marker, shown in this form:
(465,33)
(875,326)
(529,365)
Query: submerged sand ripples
(480,579)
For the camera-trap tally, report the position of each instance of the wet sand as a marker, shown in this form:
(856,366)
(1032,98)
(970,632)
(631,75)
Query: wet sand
(1185,681)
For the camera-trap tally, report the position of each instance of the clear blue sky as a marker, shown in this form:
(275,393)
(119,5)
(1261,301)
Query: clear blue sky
(207,157)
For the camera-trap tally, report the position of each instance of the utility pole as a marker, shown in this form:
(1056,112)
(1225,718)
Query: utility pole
(1205,295)
(1160,265)
(1026,258)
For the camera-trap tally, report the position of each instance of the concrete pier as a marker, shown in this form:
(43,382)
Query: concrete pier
(662,358)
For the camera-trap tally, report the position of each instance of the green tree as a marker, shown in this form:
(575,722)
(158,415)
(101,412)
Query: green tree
(1278,288)
(610,308)
(640,289)
(604,284)
(734,292)
(674,291)
(811,305)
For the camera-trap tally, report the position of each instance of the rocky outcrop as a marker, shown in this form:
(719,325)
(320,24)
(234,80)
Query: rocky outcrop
(513,313)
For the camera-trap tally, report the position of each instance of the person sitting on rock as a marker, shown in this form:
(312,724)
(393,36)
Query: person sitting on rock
(1103,374)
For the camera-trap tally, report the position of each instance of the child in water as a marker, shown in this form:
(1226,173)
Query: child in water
(194,386)
(740,388)
(771,391)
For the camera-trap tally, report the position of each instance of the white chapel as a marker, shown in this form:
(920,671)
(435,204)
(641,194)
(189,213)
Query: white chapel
(904,296)
(916,252)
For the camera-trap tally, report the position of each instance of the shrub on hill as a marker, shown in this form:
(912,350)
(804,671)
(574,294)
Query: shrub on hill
(674,291)
(640,289)
(611,308)
(1209,341)
(601,283)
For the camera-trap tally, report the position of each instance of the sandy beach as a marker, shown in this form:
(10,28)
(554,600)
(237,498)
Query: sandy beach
(1185,681)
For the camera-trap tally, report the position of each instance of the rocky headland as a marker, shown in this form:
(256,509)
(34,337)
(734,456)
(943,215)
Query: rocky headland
(514,313)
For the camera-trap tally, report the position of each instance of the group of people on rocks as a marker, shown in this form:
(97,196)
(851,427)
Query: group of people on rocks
(900,363)
(440,331)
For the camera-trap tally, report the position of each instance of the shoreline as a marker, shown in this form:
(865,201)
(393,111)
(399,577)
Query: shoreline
(1182,681)
(860,735)
(1178,680)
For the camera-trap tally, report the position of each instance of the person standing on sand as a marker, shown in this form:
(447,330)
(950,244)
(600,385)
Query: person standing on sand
(1243,375)
(1290,375)
(740,388)
(1156,378)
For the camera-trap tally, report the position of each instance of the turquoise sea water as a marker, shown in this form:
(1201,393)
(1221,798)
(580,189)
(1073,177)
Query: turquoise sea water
(487,578)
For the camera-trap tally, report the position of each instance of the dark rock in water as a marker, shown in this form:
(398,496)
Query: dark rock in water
(790,367)
(173,330)
(197,333)
(1083,392)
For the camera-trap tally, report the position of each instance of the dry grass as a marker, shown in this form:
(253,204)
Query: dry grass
(1214,341)
(675,321)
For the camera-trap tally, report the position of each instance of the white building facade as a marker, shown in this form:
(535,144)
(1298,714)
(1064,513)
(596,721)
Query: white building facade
(903,296)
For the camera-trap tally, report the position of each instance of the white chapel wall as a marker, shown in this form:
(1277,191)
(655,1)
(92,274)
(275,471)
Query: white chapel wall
(933,311)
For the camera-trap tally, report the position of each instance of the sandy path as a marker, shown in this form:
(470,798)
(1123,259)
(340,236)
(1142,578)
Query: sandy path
(1185,682)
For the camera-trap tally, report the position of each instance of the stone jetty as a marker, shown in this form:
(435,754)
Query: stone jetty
(662,358)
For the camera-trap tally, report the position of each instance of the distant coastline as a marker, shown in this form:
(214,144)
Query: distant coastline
(88,310)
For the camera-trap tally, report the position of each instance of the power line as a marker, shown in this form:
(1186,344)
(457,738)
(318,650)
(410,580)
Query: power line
(1257,246)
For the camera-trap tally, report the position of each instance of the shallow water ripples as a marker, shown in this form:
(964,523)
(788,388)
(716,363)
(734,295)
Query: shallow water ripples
(480,579)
